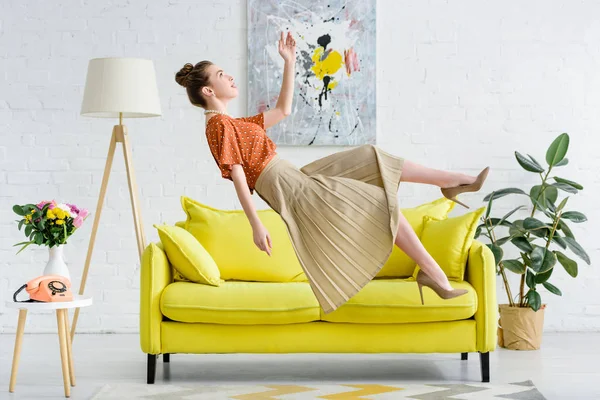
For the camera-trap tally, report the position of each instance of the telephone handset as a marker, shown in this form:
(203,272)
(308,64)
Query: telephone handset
(47,288)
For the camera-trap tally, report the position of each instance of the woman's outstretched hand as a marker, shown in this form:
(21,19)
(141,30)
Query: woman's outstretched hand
(287,47)
(262,239)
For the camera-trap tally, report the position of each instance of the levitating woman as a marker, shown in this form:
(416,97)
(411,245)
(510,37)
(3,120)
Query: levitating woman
(340,211)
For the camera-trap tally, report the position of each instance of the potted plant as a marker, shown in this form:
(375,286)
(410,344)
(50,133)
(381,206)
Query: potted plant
(541,239)
(51,224)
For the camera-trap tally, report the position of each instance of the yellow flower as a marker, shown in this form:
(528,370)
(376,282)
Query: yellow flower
(60,214)
(50,214)
(60,222)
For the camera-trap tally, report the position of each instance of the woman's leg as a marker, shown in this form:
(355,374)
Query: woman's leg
(413,172)
(409,242)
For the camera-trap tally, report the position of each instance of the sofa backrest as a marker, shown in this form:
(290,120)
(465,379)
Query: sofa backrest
(227,236)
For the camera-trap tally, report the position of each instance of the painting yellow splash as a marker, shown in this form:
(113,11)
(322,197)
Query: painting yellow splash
(329,66)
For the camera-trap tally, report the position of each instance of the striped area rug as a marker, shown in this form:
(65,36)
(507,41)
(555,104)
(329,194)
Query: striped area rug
(452,391)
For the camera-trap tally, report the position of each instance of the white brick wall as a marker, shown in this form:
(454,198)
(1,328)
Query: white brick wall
(460,85)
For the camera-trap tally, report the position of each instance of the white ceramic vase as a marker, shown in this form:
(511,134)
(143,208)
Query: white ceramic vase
(56,264)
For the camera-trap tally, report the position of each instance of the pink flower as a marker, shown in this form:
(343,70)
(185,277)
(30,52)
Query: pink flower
(83,213)
(77,221)
(42,204)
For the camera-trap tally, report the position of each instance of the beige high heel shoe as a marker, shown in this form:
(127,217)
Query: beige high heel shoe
(452,192)
(425,280)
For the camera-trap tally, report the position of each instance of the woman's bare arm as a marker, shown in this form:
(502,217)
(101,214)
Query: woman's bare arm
(243,193)
(283,108)
(260,233)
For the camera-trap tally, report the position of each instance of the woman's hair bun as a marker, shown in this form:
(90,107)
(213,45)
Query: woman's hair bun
(181,76)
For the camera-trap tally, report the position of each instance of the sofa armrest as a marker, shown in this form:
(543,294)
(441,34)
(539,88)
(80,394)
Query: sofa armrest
(155,275)
(481,274)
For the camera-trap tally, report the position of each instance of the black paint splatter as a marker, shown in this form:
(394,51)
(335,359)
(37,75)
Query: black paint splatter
(324,41)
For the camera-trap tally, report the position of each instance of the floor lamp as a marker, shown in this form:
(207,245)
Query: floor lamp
(118,88)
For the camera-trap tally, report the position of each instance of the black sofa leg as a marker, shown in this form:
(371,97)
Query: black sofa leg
(485,366)
(464,356)
(166,357)
(151,368)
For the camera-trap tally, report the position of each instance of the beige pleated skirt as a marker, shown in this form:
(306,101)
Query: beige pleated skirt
(341,214)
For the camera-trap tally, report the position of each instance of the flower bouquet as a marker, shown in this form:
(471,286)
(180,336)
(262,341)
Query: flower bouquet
(50,223)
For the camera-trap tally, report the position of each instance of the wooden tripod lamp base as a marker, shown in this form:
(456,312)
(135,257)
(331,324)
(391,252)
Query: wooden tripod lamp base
(119,135)
(118,87)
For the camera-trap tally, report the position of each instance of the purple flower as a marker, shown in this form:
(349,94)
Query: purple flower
(73,208)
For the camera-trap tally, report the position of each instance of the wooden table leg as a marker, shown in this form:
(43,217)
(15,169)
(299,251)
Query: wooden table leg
(64,357)
(17,352)
(69,348)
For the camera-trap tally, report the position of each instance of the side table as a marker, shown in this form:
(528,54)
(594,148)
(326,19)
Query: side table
(64,338)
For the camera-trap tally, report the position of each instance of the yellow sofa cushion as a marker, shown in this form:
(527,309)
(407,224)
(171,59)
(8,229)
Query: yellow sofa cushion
(396,301)
(399,264)
(449,240)
(238,303)
(216,229)
(227,236)
(187,256)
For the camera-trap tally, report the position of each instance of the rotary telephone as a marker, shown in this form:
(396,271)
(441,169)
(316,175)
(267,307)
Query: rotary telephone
(46,288)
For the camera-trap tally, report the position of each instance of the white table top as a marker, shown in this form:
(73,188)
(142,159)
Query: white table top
(78,301)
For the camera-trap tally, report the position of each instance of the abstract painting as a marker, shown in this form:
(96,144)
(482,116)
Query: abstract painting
(334,83)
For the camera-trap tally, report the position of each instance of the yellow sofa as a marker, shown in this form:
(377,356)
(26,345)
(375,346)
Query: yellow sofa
(269,307)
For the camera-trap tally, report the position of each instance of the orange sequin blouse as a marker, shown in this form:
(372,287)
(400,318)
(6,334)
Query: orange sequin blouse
(240,141)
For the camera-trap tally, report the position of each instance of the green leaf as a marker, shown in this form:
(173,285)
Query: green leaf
(24,247)
(517,228)
(527,164)
(533,160)
(530,279)
(21,223)
(564,161)
(543,276)
(536,227)
(503,192)
(522,244)
(515,266)
(562,225)
(28,230)
(569,265)
(478,230)
(552,289)
(568,182)
(39,238)
(502,241)
(534,300)
(489,207)
(497,251)
(509,214)
(557,150)
(562,204)
(574,216)
(536,194)
(542,259)
(549,214)
(577,249)
(565,187)
(561,241)
(19,210)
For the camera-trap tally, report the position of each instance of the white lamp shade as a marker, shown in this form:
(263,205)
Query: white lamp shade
(120,85)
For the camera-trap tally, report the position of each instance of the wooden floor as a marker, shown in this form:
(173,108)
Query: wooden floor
(566,367)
